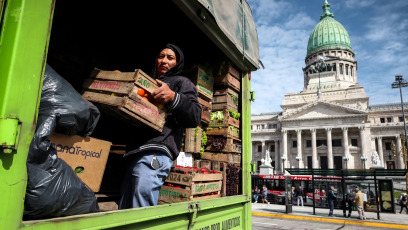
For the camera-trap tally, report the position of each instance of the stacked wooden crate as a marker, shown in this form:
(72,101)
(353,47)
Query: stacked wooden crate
(119,93)
(223,132)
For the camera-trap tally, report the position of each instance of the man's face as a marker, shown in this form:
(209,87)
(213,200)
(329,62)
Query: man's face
(167,59)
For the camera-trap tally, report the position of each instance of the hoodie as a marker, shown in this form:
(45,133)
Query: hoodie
(183,112)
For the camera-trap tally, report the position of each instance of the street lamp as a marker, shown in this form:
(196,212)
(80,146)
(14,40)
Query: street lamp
(399,83)
(346,158)
(283,161)
(321,65)
(298,160)
(364,159)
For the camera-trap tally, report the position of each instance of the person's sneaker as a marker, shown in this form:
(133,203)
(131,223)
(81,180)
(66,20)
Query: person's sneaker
(269,203)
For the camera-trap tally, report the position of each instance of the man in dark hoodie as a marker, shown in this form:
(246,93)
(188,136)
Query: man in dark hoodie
(150,163)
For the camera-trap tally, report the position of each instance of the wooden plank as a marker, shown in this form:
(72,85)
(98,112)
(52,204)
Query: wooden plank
(145,109)
(118,87)
(172,195)
(229,131)
(113,75)
(202,188)
(222,157)
(179,178)
(206,197)
(145,81)
(228,80)
(207,177)
(204,102)
(103,98)
(228,120)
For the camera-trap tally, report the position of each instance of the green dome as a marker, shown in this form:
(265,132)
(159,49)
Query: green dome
(328,34)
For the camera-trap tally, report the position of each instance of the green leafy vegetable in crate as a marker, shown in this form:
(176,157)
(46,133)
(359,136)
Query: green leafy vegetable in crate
(234,115)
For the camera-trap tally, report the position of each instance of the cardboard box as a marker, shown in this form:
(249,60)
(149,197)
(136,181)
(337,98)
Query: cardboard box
(185,159)
(88,153)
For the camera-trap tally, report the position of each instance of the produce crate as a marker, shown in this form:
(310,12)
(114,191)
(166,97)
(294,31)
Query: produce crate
(190,186)
(132,108)
(203,81)
(225,99)
(222,157)
(192,140)
(206,111)
(230,131)
(227,68)
(228,80)
(226,120)
(115,79)
(231,146)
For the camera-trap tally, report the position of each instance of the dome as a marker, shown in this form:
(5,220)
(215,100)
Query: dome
(328,34)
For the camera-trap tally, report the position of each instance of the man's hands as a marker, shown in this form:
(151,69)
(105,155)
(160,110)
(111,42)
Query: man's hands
(163,94)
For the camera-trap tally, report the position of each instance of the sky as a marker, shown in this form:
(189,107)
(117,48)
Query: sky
(378,31)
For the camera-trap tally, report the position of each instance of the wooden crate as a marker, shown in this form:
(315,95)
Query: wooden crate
(228,120)
(190,187)
(230,131)
(230,147)
(227,67)
(138,77)
(192,140)
(132,108)
(203,81)
(225,99)
(228,80)
(222,157)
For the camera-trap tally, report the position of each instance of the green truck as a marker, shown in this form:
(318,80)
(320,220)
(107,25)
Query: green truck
(74,35)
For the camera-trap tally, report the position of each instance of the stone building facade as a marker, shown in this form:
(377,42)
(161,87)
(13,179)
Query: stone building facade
(330,124)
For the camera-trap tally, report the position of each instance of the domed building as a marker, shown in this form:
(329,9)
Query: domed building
(329,124)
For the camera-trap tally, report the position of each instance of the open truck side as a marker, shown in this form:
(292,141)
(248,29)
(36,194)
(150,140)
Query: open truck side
(225,28)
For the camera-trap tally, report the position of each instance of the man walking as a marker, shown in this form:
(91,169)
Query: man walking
(359,199)
(300,196)
(330,199)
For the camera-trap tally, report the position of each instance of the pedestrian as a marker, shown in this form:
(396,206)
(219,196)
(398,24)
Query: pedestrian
(359,199)
(323,198)
(256,194)
(293,193)
(331,197)
(365,199)
(403,202)
(300,195)
(347,204)
(264,195)
(149,162)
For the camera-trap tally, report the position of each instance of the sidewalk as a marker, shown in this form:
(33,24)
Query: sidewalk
(389,220)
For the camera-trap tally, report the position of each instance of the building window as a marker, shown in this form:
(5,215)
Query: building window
(336,143)
(389,119)
(387,145)
(259,163)
(400,119)
(269,126)
(274,126)
(341,68)
(382,120)
(294,144)
(259,148)
(321,142)
(354,142)
(272,148)
(351,70)
(347,70)
(308,143)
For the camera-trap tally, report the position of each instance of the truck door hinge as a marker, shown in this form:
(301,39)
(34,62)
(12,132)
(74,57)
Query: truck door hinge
(193,208)
(9,132)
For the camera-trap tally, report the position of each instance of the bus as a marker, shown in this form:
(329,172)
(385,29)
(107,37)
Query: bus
(77,36)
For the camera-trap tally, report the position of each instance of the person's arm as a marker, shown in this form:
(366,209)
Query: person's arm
(183,104)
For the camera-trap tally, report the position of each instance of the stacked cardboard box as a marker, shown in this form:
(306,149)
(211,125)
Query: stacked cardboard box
(119,93)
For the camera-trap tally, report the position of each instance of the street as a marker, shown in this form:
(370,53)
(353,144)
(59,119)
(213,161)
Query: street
(259,223)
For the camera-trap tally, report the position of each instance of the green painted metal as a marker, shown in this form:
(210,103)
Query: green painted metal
(23,48)
(328,34)
(22,62)
(9,130)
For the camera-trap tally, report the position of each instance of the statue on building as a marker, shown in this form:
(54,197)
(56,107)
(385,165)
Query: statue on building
(267,160)
(375,159)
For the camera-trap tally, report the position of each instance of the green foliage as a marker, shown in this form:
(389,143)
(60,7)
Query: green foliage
(203,141)
(234,98)
(218,115)
(234,115)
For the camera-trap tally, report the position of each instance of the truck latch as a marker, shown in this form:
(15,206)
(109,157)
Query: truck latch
(193,208)
(9,132)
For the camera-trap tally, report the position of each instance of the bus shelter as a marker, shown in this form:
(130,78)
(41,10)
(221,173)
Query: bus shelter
(383,187)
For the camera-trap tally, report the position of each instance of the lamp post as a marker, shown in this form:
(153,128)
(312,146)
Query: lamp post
(346,158)
(399,83)
(298,160)
(364,159)
(319,66)
(283,163)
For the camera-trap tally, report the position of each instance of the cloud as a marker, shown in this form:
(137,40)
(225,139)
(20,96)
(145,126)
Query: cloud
(358,4)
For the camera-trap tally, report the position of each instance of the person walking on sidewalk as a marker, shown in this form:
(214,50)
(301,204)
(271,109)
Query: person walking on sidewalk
(264,195)
(322,198)
(294,194)
(403,202)
(330,199)
(347,204)
(300,196)
(256,194)
(359,199)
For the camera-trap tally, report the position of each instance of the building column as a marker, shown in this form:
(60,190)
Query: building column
(299,148)
(362,143)
(285,150)
(380,150)
(345,146)
(399,157)
(329,148)
(276,155)
(314,149)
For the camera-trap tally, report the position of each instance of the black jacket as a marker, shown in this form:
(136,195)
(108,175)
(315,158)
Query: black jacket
(183,112)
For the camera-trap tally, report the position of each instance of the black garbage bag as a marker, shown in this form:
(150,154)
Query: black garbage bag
(53,188)
(77,115)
